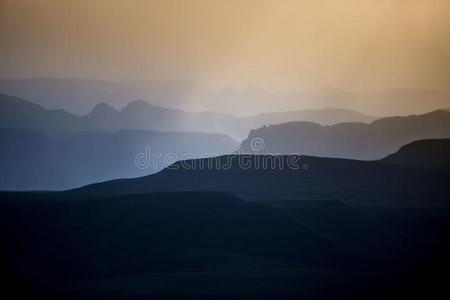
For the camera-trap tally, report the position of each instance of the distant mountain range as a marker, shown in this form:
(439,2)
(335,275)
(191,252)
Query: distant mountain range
(19,113)
(348,140)
(80,95)
(35,160)
(54,149)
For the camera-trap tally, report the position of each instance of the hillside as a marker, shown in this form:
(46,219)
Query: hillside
(290,178)
(425,153)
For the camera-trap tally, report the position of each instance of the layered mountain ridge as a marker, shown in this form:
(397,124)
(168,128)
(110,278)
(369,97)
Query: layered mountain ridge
(348,140)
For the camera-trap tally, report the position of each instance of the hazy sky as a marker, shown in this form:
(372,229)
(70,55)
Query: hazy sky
(278,44)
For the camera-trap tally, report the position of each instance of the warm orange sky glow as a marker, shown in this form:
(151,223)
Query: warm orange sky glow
(353,44)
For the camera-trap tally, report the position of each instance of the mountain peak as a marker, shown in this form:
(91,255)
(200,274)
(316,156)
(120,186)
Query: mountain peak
(137,105)
(103,108)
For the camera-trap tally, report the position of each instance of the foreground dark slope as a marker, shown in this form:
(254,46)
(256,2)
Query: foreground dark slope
(54,240)
(323,241)
(333,229)
(349,140)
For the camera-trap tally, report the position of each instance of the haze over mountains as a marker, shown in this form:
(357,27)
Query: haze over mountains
(253,229)
(224,150)
(349,140)
(39,161)
(53,149)
(81,95)
(139,114)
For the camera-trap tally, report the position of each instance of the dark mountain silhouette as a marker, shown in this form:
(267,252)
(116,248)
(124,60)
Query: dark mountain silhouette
(426,153)
(349,140)
(36,160)
(283,178)
(356,229)
(80,95)
(141,115)
(372,207)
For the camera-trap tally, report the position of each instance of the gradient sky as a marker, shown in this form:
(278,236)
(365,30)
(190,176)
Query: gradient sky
(278,45)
